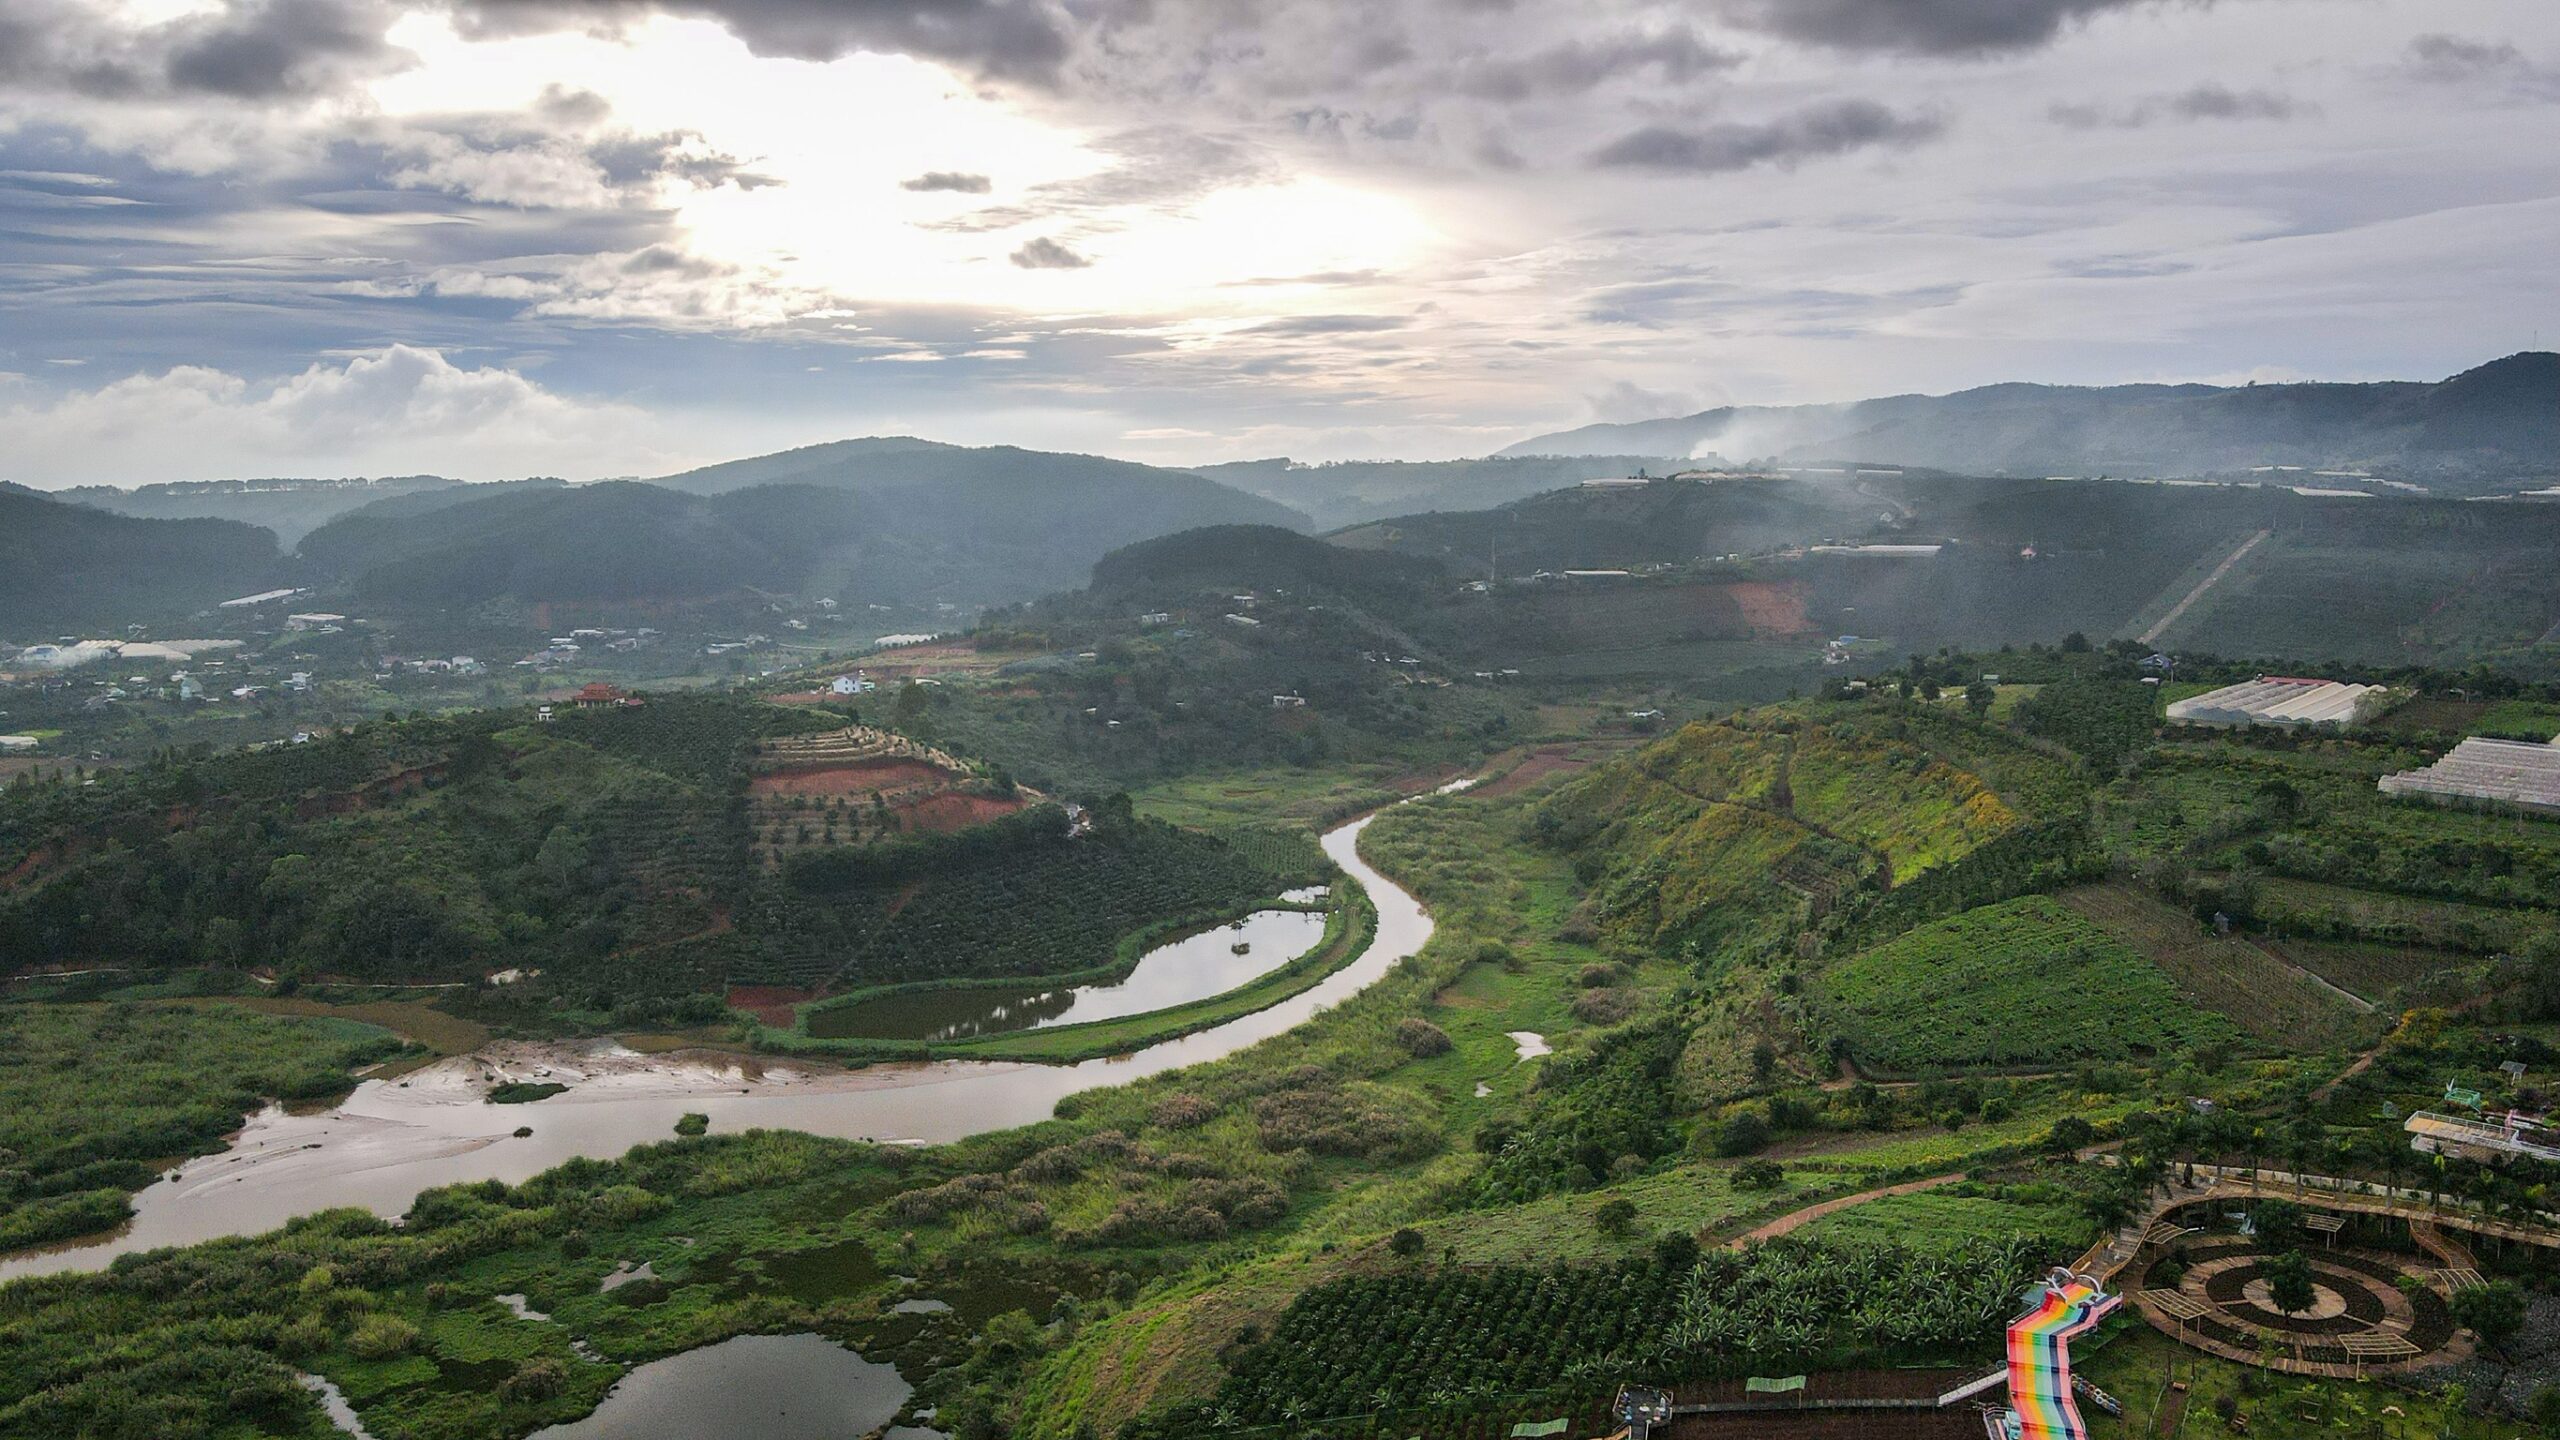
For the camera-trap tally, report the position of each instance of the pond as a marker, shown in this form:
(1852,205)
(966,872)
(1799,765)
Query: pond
(390,1140)
(1195,967)
(755,1387)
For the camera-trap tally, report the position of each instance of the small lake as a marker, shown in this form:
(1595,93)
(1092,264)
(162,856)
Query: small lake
(1179,972)
(756,1387)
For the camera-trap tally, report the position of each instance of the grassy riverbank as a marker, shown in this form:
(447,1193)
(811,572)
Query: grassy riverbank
(96,1099)
(1351,922)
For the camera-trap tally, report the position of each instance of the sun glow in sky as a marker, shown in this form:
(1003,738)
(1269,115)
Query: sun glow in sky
(631,235)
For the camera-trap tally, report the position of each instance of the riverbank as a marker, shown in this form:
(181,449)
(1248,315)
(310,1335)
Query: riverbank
(1350,926)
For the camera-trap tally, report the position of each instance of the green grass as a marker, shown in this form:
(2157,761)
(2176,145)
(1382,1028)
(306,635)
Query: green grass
(1311,798)
(1932,1218)
(2022,983)
(94,1097)
(2262,995)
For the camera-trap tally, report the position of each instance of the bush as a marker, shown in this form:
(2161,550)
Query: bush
(1744,1132)
(1422,1039)
(1182,1110)
(381,1336)
(1405,1243)
(1615,1217)
(1759,1175)
(694,1123)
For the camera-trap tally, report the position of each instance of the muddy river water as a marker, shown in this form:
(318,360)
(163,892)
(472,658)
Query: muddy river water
(391,1140)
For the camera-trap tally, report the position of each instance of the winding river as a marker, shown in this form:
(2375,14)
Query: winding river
(391,1140)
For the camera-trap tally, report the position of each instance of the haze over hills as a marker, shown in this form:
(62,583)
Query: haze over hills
(292,508)
(2496,422)
(70,566)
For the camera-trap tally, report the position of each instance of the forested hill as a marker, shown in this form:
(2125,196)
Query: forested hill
(65,566)
(2498,421)
(1093,496)
(980,533)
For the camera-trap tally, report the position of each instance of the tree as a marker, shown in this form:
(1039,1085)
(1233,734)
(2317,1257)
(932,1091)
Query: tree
(2070,1133)
(2279,1225)
(2494,1312)
(2542,975)
(1615,1217)
(1745,1133)
(1759,1175)
(1978,697)
(2289,1282)
(1405,1243)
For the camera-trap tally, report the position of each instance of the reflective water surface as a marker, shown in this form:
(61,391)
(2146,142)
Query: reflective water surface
(1195,967)
(390,1140)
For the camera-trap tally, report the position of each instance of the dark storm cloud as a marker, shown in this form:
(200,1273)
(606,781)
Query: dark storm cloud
(1673,56)
(2203,102)
(1919,27)
(954,181)
(1011,39)
(1834,128)
(250,50)
(1044,253)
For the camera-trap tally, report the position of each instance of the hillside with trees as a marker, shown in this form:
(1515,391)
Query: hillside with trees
(65,566)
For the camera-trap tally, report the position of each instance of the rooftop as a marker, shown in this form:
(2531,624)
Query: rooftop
(2508,772)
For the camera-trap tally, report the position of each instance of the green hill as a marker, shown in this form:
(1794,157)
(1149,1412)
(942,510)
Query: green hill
(66,566)
(633,856)
(292,508)
(901,523)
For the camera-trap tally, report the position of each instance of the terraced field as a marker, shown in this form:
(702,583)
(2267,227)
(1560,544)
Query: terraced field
(2377,972)
(2272,1001)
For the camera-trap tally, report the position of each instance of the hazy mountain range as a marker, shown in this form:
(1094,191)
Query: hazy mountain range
(2498,421)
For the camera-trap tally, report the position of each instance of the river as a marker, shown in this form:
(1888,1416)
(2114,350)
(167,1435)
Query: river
(391,1140)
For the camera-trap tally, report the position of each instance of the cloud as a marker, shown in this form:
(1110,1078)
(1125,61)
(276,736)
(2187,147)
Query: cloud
(1833,128)
(2440,59)
(1043,253)
(957,182)
(2208,101)
(995,39)
(255,51)
(1329,325)
(399,409)
(1963,28)
(1675,57)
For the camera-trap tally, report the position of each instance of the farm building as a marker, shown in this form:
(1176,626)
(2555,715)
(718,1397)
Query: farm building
(2491,1142)
(2498,772)
(2283,700)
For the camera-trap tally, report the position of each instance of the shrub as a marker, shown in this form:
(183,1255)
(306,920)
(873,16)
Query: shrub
(1743,1133)
(1759,1175)
(694,1123)
(1615,1217)
(1405,1243)
(380,1336)
(1182,1110)
(1422,1039)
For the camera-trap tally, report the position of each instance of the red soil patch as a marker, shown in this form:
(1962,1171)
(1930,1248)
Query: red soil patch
(951,811)
(1774,607)
(865,778)
(771,1004)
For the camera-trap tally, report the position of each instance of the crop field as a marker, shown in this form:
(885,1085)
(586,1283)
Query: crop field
(2308,906)
(2373,970)
(1933,1218)
(2023,983)
(2268,999)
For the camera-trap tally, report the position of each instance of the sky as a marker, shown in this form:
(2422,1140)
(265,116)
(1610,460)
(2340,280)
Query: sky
(491,238)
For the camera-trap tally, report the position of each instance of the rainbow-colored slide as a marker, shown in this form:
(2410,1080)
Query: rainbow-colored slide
(2040,1398)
